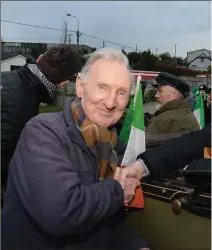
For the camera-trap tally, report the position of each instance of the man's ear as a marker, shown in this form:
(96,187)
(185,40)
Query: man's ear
(38,59)
(79,87)
(63,83)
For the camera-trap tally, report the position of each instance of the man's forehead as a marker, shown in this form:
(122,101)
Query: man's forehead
(109,71)
(166,88)
(113,66)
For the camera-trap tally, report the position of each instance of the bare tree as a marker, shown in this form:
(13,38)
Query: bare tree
(66,37)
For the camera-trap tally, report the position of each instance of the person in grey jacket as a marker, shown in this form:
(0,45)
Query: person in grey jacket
(65,190)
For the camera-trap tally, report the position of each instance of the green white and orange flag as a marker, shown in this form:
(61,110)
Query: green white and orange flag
(132,132)
(199,111)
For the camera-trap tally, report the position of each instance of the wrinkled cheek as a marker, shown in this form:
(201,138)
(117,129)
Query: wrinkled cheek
(119,114)
(96,98)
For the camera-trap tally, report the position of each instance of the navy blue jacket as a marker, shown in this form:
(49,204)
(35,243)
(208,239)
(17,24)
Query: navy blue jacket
(54,199)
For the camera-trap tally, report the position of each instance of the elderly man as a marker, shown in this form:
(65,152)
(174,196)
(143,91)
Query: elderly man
(64,188)
(174,115)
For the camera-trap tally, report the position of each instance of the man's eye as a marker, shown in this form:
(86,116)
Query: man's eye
(101,87)
(122,93)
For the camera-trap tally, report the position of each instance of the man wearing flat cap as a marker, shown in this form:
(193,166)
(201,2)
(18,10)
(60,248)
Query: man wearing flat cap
(174,114)
(203,89)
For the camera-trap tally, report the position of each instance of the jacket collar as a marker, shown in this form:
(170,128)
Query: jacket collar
(32,81)
(51,87)
(181,103)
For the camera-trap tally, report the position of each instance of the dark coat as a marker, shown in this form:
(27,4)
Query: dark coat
(178,152)
(207,111)
(54,199)
(21,94)
(173,117)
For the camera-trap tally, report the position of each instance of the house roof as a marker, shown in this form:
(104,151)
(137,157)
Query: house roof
(198,50)
(201,56)
(8,55)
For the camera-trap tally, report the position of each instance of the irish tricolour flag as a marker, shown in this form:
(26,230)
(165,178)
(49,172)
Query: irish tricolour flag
(199,111)
(132,132)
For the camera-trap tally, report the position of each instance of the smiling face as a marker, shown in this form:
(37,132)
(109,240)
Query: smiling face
(105,92)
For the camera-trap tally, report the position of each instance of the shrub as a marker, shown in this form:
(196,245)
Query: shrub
(150,96)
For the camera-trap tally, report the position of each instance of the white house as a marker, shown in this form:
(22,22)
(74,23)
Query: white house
(199,59)
(11,61)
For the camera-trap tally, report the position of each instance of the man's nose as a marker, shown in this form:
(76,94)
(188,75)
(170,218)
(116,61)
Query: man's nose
(110,101)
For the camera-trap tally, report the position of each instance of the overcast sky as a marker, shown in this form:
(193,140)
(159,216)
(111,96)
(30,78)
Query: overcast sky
(154,24)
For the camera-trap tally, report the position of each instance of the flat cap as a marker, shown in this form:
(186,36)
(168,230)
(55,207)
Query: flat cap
(168,79)
(203,87)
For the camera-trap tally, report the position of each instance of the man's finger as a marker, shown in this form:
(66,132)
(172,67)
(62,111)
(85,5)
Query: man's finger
(138,183)
(122,178)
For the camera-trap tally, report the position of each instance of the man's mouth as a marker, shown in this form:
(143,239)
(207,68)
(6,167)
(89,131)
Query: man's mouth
(108,112)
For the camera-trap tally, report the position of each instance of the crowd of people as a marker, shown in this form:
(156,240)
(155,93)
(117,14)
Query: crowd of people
(63,185)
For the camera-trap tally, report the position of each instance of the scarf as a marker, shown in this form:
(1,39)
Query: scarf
(101,141)
(51,87)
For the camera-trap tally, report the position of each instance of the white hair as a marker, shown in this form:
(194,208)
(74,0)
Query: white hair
(110,54)
(177,93)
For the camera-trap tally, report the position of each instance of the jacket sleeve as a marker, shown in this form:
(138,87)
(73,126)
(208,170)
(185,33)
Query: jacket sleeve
(50,189)
(177,153)
(15,111)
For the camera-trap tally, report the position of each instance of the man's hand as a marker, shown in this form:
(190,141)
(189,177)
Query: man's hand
(135,170)
(129,185)
(129,191)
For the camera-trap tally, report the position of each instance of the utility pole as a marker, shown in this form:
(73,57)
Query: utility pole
(103,44)
(136,49)
(66,38)
(78,36)
(156,51)
(77,32)
(175,51)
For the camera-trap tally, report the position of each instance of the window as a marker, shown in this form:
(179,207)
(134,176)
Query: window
(202,59)
(14,67)
(193,66)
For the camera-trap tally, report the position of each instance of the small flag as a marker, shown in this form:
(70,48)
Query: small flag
(133,129)
(134,136)
(199,111)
